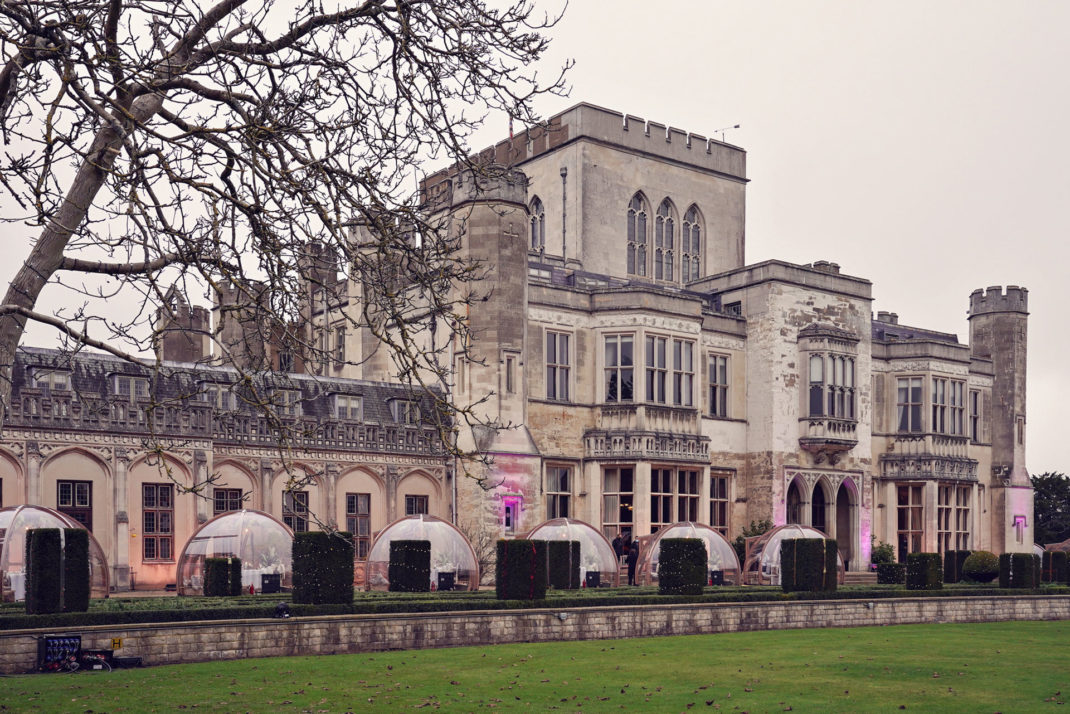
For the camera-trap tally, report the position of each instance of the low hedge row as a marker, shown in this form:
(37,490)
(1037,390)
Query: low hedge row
(473,601)
(924,571)
(953,561)
(891,573)
(1019,570)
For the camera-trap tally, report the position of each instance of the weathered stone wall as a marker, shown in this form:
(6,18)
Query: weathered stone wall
(339,634)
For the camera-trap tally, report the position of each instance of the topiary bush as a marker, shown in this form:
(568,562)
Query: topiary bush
(323,567)
(953,560)
(218,576)
(924,571)
(804,565)
(882,553)
(57,570)
(75,570)
(891,573)
(1019,570)
(1053,568)
(981,567)
(520,572)
(563,564)
(682,566)
(410,566)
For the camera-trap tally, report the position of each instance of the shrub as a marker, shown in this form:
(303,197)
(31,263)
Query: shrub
(235,577)
(323,567)
(75,570)
(924,571)
(217,577)
(57,570)
(42,571)
(410,566)
(981,567)
(804,564)
(1018,570)
(882,553)
(756,528)
(953,560)
(891,573)
(1054,566)
(682,566)
(563,564)
(520,572)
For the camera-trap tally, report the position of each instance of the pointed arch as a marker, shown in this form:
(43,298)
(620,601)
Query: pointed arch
(638,215)
(691,235)
(821,502)
(665,241)
(538,224)
(794,500)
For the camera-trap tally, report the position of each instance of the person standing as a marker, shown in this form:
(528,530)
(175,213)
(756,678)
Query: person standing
(633,558)
(617,546)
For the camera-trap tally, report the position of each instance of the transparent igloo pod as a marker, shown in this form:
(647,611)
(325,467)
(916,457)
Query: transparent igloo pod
(721,556)
(14,522)
(596,553)
(453,562)
(762,564)
(264,544)
(1038,550)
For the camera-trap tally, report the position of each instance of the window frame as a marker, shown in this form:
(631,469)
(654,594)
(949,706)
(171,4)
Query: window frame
(83,513)
(975,415)
(342,406)
(912,411)
(623,501)
(538,225)
(416,501)
(683,373)
(358,522)
(558,368)
(638,235)
(231,499)
(665,241)
(156,536)
(558,497)
(720,501)
(295,510)
(718,365)
(614,374)
(691,245)
(656,350)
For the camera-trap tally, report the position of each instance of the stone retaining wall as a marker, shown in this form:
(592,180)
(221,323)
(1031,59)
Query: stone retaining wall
(337,634)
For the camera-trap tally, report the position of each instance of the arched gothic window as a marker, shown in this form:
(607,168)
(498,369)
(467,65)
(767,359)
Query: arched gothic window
(664,242)
(538,225)
(637,239)
(691,246)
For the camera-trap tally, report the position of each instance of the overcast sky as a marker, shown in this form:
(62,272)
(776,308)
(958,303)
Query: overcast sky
(924,146)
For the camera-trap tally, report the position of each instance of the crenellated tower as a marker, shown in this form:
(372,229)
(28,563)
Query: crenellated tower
(183,333)
(998,322)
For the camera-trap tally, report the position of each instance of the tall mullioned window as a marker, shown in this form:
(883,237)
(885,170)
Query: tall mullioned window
(619,369)
(691,246)
(637,235)
(832,386)
(557,366)
(656,369)
(683,373)
(618,495)
(157,524)
(719,502)
(558,491)
(664,241)
(975,415)
(718,386)
(358,521)
(295,510)
(908,404)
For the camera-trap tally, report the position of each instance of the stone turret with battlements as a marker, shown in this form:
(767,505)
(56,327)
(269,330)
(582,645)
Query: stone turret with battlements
(998,331)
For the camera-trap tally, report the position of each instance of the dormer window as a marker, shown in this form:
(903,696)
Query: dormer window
(51,379)
(287,402)
(130,388)
(217,396)
(405,411)
(347,406)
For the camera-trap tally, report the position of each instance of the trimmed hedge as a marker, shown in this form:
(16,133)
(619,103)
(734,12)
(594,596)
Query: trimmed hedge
(563,564)
(462,602)
(981,567)
(219,577)
(1019,570)
(410,566)
(323,567)
(42,571)
(57,570)
(808,565)
(682,566)
(520,571)
(1053,569)
(924,571)
(953,562)
(75,570)
(891,573)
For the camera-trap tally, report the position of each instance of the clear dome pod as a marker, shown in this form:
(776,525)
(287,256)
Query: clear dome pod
(1038,550)
(721,563)
(453,562)
(596,553)
(14,522)
(762,563)
(264,544)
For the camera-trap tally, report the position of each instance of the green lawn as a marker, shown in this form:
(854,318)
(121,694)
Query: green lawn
(1009,667)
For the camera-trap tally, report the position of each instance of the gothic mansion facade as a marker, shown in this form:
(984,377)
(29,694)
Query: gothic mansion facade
(651,374)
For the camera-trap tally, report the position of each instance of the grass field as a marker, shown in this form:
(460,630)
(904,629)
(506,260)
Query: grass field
(1008,667)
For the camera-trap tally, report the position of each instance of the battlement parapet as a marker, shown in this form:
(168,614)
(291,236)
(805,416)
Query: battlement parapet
(996,299)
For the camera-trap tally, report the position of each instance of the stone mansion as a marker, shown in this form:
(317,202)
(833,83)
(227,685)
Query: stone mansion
(652,376)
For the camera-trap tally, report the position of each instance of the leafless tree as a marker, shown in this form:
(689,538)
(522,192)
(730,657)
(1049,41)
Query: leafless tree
(159,145)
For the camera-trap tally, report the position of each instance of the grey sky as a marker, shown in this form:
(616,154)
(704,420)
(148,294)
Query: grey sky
(922,145)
